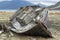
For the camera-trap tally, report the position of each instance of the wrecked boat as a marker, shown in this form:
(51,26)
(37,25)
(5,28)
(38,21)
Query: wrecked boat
(30,20)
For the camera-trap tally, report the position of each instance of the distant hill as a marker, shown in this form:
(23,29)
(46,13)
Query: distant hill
(15,4)
(42,5)
(56,6)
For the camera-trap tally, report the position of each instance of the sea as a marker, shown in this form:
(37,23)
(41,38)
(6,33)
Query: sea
(54,10)
(14,10)
(11,10)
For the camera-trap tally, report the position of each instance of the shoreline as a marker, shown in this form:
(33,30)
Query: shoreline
(8,10)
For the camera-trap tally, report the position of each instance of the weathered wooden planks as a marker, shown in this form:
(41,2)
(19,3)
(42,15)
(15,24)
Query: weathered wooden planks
(35,21)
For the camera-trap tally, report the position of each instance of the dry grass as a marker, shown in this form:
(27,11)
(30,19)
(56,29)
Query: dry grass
(4,16)
(54,23)
(57,13)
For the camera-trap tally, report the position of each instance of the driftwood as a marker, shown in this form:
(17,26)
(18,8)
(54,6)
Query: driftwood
(31,20)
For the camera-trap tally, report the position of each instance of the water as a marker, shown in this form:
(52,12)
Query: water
(54,10)
(8,10)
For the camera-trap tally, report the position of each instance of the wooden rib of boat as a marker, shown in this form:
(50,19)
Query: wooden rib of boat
(30,20)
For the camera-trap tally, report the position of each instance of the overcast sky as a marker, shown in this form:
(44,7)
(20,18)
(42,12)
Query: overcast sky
(45,2)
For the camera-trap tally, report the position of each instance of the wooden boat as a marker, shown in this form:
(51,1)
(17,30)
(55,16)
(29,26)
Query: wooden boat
(30,20)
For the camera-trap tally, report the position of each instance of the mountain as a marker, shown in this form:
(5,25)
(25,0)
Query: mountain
(42,5)
(56,6)
(14,4)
